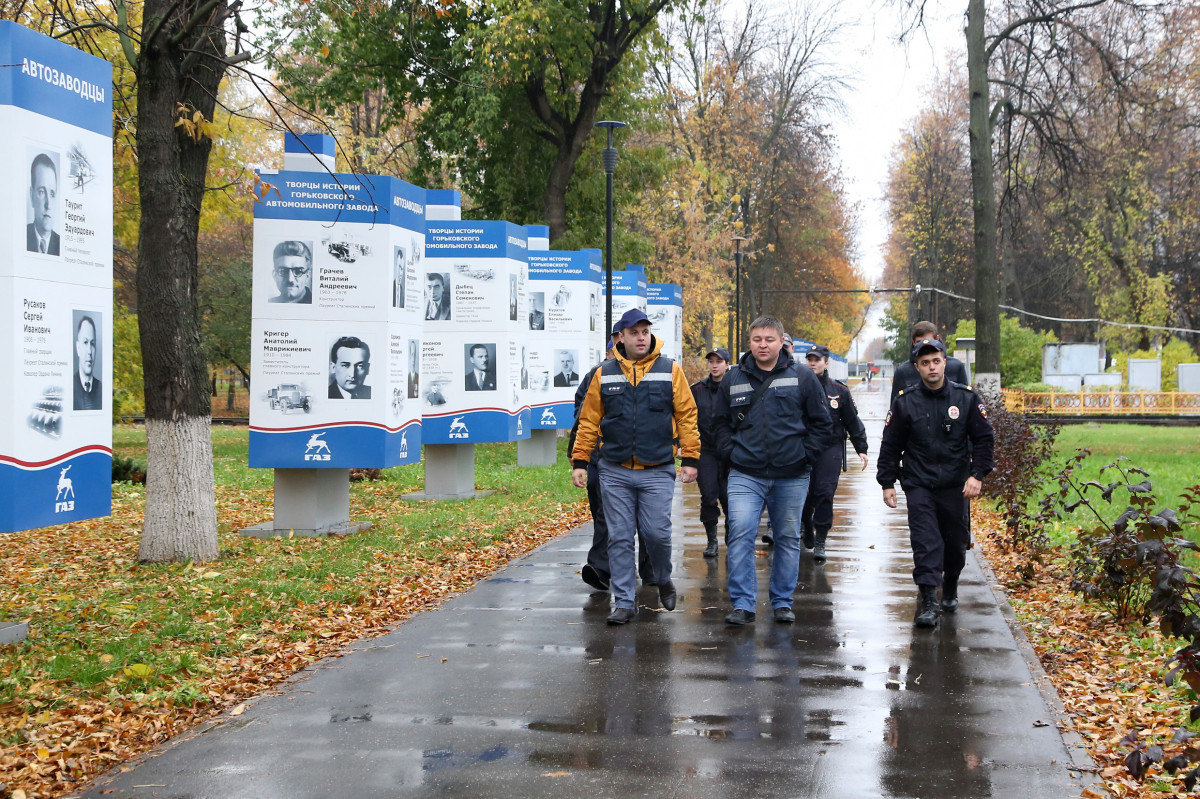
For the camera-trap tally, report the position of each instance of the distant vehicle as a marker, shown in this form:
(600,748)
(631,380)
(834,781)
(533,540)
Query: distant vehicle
(288,397)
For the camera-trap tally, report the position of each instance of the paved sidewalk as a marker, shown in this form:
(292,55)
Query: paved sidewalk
(519,689)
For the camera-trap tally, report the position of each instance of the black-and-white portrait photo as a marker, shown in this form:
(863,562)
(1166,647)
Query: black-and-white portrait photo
(414,368)
(43,209)
(399,262)
(512,298)
(566,375)
(87,394)
(562,296)
(437,295)
(524,371)
(292,267)
(537,310)
(349,365)
(593,304)
(480,367)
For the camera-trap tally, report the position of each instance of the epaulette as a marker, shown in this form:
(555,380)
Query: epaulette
(841,383)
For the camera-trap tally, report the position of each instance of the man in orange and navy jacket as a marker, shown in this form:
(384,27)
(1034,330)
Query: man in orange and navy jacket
(634,411)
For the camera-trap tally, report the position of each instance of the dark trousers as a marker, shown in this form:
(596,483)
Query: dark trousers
(939,528)
(597,556)
(713,479)
(818,507)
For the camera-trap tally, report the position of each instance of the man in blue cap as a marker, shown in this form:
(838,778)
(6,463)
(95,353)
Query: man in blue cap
(713,478)
(635,409)
(817,517)
(938,442)
(595,571)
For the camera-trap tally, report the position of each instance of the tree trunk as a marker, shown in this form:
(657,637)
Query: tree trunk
(180,520)
(983,197)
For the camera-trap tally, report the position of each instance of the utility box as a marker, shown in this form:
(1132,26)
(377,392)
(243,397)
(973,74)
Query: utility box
(1188,375)
(1145,374)
(1065,358)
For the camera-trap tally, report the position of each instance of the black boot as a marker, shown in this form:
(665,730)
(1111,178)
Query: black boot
(710,529)
(807,537)
(819,545)
(927,615)
(950,594)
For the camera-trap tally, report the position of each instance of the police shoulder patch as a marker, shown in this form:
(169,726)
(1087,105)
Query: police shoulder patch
(983,410)
(887,419)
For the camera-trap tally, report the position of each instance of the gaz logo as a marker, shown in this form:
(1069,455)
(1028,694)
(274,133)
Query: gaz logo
(404,444)
(548,417)
(317,449)
(458,428)
(65,489)
(520,426)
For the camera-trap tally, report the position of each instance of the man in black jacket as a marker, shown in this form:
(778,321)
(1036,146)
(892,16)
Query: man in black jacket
(906,374)
(817,517)
(770,420)
(714,474)
(941,431)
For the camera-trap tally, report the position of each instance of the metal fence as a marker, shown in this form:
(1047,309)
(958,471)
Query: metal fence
(1107,403)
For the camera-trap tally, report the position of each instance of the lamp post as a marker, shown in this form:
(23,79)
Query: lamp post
(610,166)
(737,308)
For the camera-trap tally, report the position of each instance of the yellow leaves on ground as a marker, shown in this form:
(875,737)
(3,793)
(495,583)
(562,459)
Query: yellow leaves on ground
(1104,704)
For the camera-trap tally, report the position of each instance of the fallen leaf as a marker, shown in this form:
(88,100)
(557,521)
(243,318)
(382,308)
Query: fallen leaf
(239,710)
(557,774)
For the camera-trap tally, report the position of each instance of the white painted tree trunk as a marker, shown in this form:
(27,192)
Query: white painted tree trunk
(180,521)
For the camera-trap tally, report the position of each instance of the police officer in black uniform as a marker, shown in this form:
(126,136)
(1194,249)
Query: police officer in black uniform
(941,431)
(714,473)
(817,517)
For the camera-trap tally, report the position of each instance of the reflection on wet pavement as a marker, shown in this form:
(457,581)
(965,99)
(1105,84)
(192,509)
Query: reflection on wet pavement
(518,688)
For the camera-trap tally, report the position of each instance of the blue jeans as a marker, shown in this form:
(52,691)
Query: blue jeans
(637,501)
(784,500)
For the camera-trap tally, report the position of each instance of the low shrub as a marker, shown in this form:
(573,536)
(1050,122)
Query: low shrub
(1022,458)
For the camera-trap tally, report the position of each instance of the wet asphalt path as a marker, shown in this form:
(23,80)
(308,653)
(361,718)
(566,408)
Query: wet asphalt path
(519,689)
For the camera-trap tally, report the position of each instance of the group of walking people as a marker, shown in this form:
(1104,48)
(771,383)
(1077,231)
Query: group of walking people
(765,434)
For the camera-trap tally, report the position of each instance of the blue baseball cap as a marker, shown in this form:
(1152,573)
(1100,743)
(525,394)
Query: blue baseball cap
(721,353)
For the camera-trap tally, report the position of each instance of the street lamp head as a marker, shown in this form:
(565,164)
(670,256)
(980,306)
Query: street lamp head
(610,125)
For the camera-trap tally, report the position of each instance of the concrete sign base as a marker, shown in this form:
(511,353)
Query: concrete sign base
(13,632)
(540,449)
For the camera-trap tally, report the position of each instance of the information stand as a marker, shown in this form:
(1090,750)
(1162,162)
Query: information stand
(628,289)
(541,448)
(474,277)
(664,307)
(55,286)
(561,345)
(56,283)
(336,335)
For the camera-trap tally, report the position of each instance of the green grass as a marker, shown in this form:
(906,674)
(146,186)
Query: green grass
(102,624)
(1171,455)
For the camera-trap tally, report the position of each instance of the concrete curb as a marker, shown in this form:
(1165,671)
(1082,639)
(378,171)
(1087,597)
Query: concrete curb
(1081,760)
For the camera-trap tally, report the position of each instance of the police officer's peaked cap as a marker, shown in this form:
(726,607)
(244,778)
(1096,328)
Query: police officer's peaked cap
(630,318)
(925,344)
(818,350)
(721,353)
